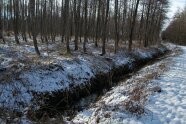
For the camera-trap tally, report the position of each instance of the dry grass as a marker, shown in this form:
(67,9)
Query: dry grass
(138,94)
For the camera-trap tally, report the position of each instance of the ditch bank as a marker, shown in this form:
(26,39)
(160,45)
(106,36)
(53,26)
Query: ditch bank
(62,83)
(118,68)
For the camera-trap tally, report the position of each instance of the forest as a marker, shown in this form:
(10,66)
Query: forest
(92,61)
(83,20)
(176,31)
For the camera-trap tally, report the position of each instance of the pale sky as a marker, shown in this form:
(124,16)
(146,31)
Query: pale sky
(175,5)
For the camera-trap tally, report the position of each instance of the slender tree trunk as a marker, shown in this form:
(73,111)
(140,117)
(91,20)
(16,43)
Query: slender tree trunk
(133,25)
(23,25)
(33,23)
(116,26)
(98,22)
(1,24)
(124,20)
(62,21)
(147,24)
(16,19)
(104,36)
(76,21)
(140,32)
(85,26)
(66,25)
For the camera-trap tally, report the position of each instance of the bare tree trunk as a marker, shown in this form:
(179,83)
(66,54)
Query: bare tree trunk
(116,26)
(62,21)
(124,20)
(133,25)
(33,23)
(76,21)
(147,24)
(16,19)
(66,25)
(104,35)
(98,23)
(23,21)
(1,24)
(85,26)
(140,32)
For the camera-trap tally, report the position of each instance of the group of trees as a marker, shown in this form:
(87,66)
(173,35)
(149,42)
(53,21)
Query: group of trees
(1,25)
(176,31)
(99,20)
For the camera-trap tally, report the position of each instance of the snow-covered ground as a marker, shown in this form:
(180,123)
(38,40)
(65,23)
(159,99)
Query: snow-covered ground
(167,107)
(23,74)
(170,106)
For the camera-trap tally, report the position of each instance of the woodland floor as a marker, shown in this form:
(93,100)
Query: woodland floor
(22,73)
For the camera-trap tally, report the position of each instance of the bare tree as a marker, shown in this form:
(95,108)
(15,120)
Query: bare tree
(104,35)
(66,25)
(116,26)
(1,25)
(176,30)
(16,19)
(33,23)
(85,25)
(133,25)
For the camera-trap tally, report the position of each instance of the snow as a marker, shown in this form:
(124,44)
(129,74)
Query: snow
(22,73)
(170,106)
(60,77)
(167,107)
(122,59)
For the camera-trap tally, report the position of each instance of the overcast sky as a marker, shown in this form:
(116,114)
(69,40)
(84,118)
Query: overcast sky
(174,6)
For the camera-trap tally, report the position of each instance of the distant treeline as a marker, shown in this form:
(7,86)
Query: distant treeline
(99,20)
(176,31)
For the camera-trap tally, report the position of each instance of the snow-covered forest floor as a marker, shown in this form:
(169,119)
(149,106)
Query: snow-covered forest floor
(24,76)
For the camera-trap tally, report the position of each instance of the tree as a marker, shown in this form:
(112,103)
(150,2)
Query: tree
(16,19)
(1,25)
(116,26)
(76,24)
(85,25)
(23,20)
(124,17)
(66,25)
(104,35)
(33,23)
(133,25)
(176,30)
(98,23)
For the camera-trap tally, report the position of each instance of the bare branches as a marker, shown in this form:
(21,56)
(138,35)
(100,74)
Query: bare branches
(74,20)
(176,31)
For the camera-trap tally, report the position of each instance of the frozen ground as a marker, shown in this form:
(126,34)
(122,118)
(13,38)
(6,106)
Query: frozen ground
(25,76)
(170,105)
(167,107)
(22,74)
